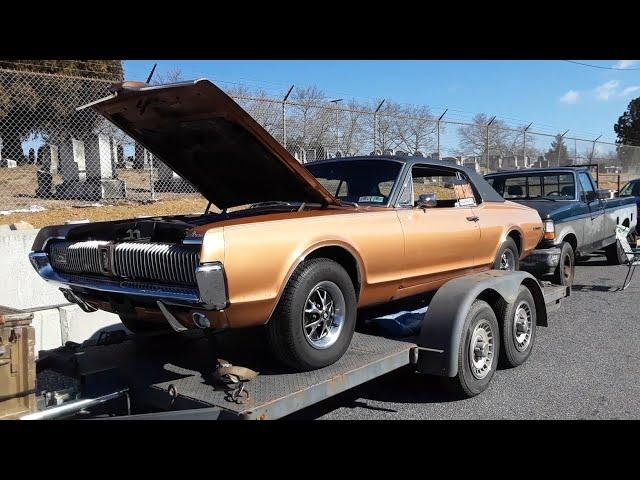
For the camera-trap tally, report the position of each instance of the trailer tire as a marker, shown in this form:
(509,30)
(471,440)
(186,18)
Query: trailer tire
(564,272)
(517,328)
(480,335)
(291,337)
(508,253)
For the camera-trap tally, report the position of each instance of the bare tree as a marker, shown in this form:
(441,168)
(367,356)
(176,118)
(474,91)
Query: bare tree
(502,139)
(416,129)
(173,75)
(353,128)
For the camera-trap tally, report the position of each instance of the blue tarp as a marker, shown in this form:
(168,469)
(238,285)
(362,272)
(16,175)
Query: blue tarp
(402,324)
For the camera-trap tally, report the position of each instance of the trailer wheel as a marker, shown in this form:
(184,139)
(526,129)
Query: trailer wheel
(565,270)
(517,328)
(314,321)
(479,350)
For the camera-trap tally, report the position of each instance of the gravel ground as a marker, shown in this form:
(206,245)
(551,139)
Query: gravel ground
(584,366)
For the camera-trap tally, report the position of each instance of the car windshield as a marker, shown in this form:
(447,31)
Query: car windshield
(542,186)
(360,181)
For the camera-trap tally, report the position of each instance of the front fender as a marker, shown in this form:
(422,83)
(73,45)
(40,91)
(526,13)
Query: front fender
(441,331)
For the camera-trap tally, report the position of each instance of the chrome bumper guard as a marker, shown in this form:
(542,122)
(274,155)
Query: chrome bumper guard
(211,293)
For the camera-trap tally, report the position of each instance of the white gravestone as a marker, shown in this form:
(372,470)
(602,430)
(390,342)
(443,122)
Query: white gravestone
(97,152)
(48,158)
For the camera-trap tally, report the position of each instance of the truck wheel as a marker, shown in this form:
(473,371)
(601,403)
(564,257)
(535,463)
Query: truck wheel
(615,254)
(314,321)
(517,328)
(565,270)
(479,350)
(508,257)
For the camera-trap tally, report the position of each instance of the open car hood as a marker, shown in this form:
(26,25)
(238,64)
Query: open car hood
(209,140)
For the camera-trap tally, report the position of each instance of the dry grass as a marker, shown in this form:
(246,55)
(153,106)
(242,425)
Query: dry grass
(108,212)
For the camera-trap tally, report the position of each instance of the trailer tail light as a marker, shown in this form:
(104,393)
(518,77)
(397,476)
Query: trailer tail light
(549,230)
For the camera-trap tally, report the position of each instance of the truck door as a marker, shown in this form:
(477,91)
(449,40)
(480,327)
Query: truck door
(594,227)
(440,241)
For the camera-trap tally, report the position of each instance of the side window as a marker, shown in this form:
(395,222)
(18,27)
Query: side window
(515,187)
(451,188)
(587,194)
(636,189)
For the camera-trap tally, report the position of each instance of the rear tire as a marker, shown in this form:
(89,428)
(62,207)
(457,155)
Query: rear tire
(517,328)
(565,270)
(508,257)
(479,350)
(314,321)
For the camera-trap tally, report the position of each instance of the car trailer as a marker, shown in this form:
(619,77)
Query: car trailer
(171,377)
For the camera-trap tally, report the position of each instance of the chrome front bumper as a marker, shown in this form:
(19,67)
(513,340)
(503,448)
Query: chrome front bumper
(211,293)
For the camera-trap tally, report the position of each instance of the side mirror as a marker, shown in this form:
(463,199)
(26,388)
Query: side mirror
(603,194)
(427,200)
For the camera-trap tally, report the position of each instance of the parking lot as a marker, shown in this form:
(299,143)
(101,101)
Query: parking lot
(584,366)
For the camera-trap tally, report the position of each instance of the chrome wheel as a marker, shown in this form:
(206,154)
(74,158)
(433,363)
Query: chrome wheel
(507,260)
(481,350)
(324,314)
(522,320)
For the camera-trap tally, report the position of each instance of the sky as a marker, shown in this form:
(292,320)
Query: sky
(555,95)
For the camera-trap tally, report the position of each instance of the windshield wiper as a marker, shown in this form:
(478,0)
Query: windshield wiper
(272,203)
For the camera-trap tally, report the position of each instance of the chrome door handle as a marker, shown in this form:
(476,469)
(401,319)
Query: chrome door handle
(473,219)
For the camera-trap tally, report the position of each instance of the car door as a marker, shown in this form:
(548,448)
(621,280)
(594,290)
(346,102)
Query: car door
(593,227)
(440,241)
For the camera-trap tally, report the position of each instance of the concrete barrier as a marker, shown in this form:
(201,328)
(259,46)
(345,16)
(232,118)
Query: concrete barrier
(22,288)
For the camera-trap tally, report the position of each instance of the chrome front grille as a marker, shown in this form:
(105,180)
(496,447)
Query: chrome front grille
(74,257)
(156,261)
(160,262)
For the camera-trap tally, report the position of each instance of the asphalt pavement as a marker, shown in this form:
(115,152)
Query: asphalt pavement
(585,365)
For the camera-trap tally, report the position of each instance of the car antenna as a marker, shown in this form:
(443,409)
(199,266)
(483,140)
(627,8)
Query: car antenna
(153,69)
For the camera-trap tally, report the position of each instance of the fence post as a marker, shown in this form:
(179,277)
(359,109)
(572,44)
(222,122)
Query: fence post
(524,143)
(284,117)
(152,189)
(561,137)
(593,148)
(487,141)
(375,124)
(438,123)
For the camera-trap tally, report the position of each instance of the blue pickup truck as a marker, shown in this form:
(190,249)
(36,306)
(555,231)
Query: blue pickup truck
(578,218)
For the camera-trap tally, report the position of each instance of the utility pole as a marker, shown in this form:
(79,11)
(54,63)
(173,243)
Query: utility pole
(335,102)
(375,123)
(524,143)
(439,119)
(284,117)
(487,139)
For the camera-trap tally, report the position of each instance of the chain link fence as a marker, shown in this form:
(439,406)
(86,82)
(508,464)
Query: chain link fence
(52,155)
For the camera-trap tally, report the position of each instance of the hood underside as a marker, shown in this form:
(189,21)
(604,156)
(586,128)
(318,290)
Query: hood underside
(209,140)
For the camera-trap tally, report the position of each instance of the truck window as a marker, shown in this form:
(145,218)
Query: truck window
(587,193)
(558,186)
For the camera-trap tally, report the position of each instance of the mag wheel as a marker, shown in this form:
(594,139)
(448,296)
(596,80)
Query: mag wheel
(314,321)
(507,257)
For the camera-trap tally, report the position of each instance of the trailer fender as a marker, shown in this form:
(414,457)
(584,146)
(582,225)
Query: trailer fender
(441,330)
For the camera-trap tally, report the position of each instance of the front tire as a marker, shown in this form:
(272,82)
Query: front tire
(508,257)
(314,321)
(565,270)
(517,328)
(479,350)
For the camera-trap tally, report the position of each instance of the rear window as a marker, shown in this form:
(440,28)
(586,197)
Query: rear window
(555,186)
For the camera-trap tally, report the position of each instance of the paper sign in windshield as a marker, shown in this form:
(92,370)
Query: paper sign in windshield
(372,199)
(464,192)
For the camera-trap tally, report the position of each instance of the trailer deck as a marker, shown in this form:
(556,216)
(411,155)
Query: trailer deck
(176,380)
